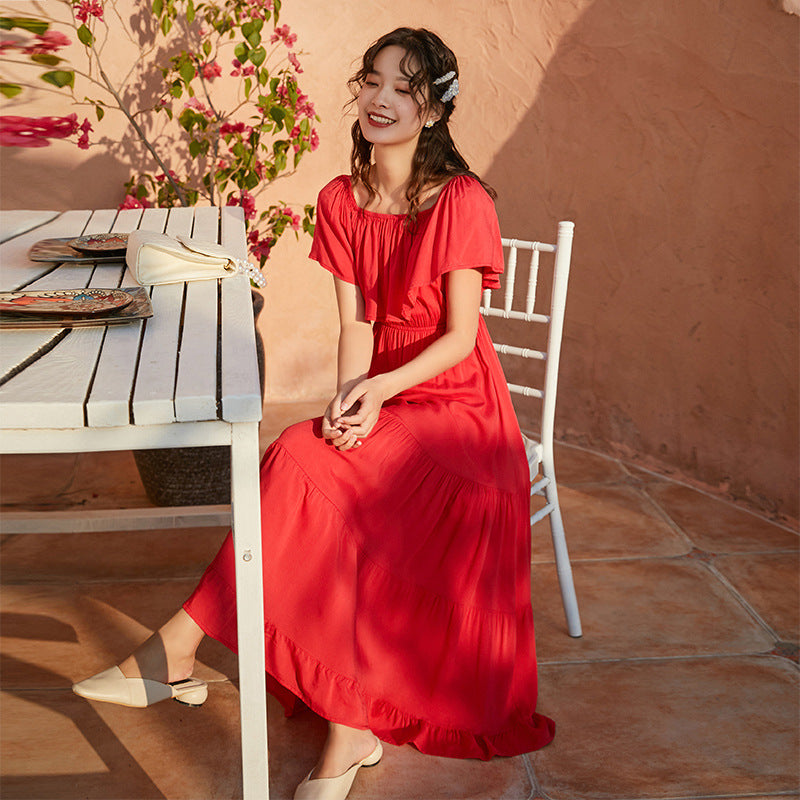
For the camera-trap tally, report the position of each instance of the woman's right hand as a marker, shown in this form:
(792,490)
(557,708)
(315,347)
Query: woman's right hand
(342,438)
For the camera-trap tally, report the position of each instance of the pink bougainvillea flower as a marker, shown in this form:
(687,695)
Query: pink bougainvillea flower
(259,247)
(194,103)
(314,140)
(237,68)
(295,132)
(87,8)
(47,42)
(212,70)
(35,131)
(235,127)
(294,62)
(161,177)
(246,201)
(83,139)
(283,33)
(304,107)
(131,201)
(295,219)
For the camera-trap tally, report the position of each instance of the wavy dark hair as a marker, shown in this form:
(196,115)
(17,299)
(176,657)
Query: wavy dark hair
(436,158)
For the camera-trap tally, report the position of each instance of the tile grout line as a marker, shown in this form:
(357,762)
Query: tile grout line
(650,659)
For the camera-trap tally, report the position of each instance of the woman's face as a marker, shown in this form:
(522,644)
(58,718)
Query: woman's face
(387,111)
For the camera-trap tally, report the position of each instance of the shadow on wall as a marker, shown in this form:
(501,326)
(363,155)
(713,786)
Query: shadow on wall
(664,130)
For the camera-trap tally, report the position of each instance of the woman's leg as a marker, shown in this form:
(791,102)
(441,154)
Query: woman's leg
(168,655)
(343,748)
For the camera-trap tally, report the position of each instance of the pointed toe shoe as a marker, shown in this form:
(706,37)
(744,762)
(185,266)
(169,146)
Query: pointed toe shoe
(339,787)
(111,686)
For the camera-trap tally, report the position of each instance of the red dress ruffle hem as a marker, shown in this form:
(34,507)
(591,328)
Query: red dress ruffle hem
(397,576)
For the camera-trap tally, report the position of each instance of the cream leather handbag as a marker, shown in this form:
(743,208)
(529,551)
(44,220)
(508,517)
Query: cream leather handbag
(155,258)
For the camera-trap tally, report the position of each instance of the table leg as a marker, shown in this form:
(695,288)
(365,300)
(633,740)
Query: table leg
(246,512)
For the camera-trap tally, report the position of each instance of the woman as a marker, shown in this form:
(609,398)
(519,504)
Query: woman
(395,528)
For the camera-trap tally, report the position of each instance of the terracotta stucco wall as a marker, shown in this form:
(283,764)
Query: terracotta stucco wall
(666,130)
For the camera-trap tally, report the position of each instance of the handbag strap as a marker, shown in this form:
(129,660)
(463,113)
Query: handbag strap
(252,272)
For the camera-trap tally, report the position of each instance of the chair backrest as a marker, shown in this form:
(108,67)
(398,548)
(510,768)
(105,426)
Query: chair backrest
(551,314)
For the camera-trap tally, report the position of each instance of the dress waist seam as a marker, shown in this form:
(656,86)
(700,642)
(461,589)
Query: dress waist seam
(411,326)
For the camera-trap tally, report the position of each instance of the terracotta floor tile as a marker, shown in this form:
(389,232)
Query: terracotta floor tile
(609,522)
(61,746)
(770,582)
(574,465)
(406,774)
(55,635)
(673,728)
(120,555)
(719,527)
(643,609)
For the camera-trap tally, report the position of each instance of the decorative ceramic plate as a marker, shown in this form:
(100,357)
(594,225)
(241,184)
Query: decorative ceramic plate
(59,250)
(101,243)
(64,302)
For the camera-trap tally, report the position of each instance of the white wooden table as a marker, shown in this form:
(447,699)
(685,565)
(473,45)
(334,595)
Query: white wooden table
(186,377)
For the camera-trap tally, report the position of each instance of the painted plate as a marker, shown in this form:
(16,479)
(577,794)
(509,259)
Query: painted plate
(64,302)
(101,243)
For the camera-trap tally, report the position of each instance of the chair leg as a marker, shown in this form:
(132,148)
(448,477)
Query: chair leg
(563,566)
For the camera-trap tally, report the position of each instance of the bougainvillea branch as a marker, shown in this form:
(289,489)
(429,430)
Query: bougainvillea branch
(230,145)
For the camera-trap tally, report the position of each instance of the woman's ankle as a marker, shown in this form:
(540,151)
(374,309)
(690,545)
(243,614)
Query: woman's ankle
(169,654)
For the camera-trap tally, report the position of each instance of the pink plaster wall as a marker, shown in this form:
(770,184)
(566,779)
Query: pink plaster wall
(666,130)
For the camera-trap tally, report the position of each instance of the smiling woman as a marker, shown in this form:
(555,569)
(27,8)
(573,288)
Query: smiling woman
(397,585)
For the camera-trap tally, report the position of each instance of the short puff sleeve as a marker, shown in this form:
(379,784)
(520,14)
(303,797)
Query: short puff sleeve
(332,246)
(462,233)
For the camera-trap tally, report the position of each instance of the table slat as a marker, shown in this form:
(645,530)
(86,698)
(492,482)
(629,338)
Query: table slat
(109,402)
(241,393)
(55,386)
(154,393)
(14,222)
(15,269)
(196,386)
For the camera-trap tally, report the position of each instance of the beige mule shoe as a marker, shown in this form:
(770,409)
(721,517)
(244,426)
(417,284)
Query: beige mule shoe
(335,788)
(111,686)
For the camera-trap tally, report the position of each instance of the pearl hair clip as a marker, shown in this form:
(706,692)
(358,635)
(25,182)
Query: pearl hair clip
(452,89)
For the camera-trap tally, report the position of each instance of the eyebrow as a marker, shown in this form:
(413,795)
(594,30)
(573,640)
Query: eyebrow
(397,78)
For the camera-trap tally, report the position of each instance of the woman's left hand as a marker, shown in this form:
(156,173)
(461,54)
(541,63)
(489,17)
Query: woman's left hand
(367,397)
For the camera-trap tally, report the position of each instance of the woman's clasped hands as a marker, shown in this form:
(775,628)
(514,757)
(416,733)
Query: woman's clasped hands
(352,415)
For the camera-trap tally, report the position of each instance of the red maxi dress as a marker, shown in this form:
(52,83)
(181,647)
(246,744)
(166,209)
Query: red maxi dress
(397,575)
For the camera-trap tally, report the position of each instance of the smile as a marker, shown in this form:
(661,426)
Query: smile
(376,119)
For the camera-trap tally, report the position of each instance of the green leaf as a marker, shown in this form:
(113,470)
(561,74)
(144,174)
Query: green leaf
(101,112)
(187,71)
(26,23)
(190,12)
(251,180)
(278,114)
(85,35)
(207,48)
(59,78)
(240,51)
(158,7)
(186,119)
(258,55)
(176,90)
(273,85)
(194,148)
(10,89)
(248,85)
(166,24)
(263,77)
(47,59)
